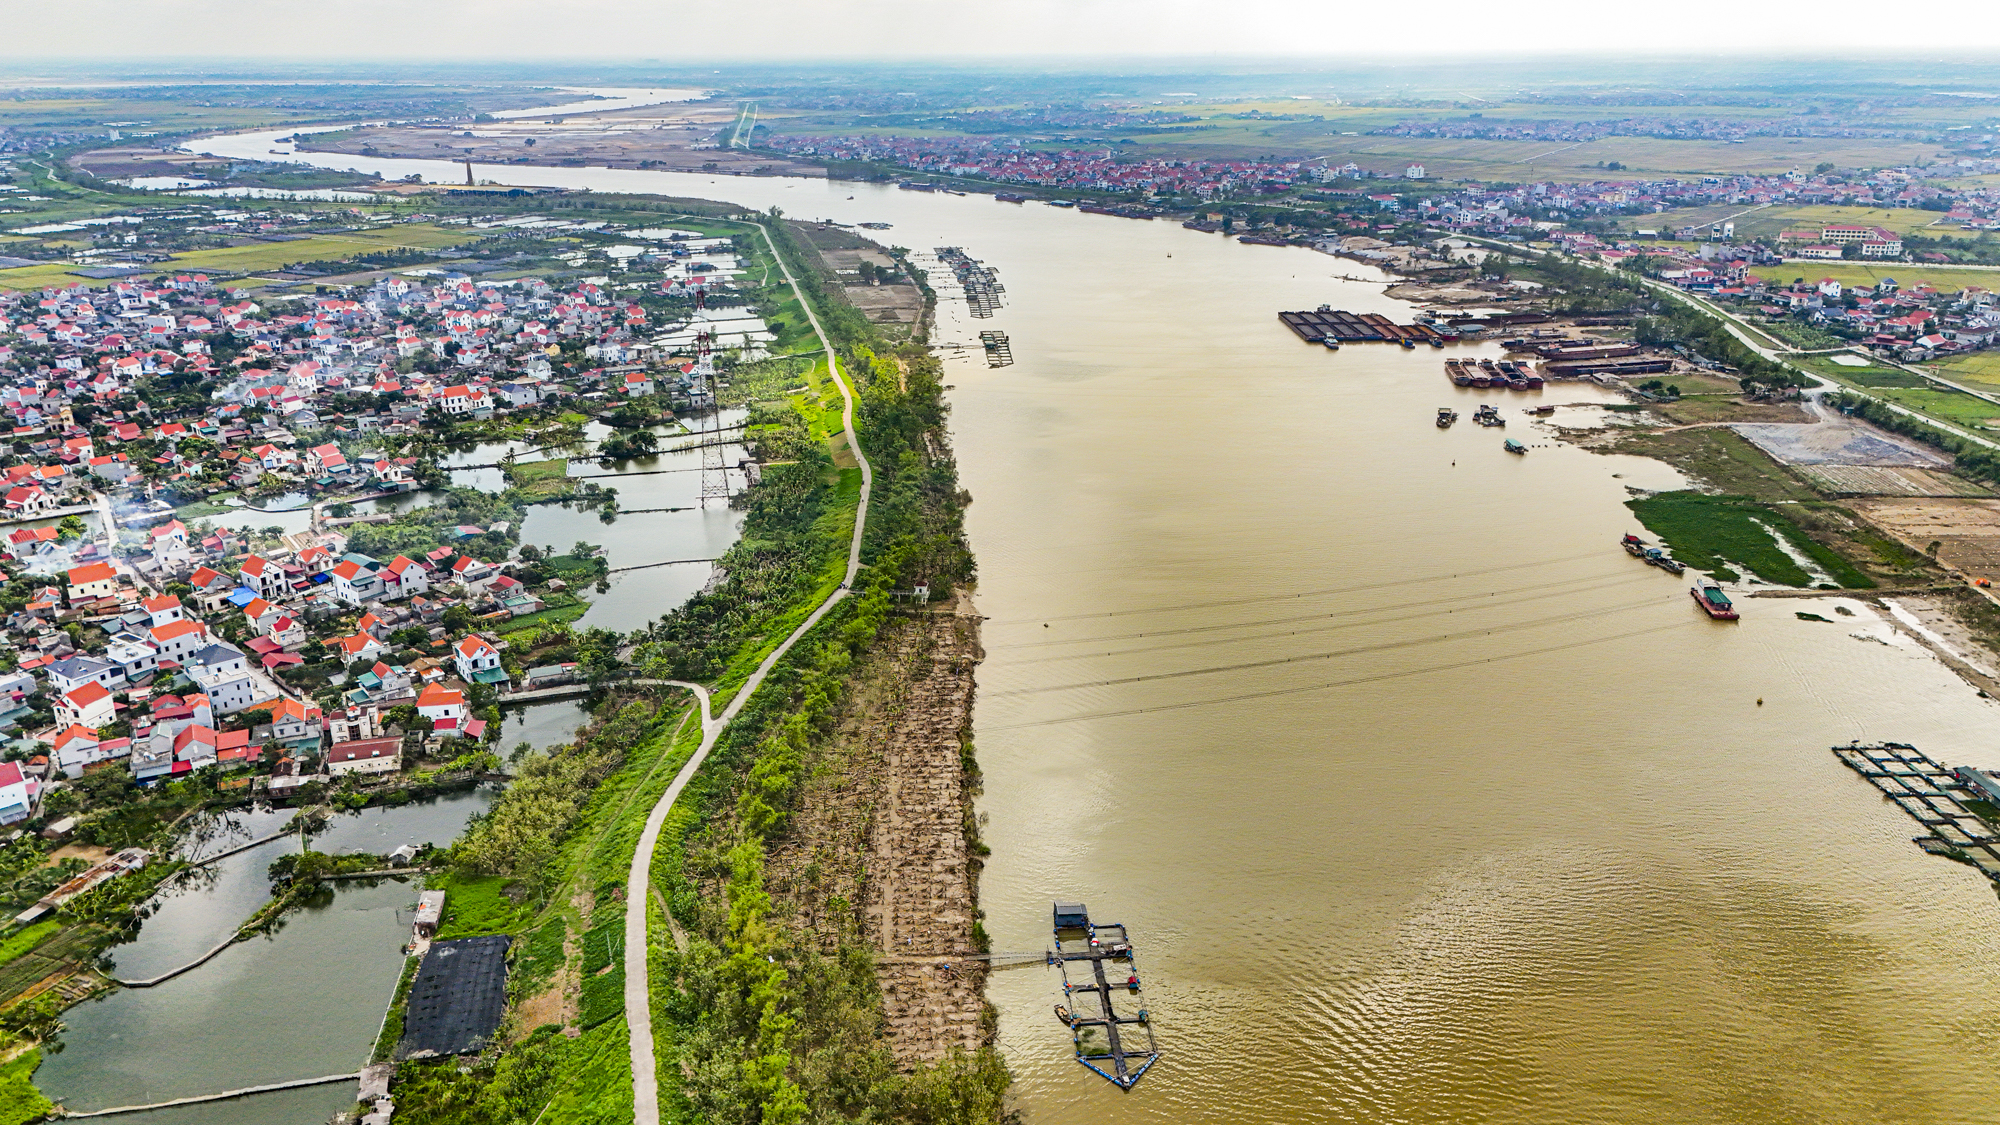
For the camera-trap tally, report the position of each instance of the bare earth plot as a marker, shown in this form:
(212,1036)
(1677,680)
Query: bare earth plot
(1967,531)
(677,138)
(1841,442)
(1886,480)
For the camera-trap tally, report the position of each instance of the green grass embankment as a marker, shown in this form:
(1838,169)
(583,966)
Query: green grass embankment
(1713,532)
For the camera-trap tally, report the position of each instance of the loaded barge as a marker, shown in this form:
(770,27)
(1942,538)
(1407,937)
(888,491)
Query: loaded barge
(1337,326)
(1119,1048)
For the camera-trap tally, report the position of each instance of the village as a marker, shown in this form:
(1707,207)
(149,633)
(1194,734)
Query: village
(144,639)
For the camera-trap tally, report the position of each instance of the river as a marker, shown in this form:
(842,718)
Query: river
(1542,844)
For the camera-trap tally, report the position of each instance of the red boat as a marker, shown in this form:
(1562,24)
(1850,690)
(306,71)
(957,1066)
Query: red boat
(1709,596)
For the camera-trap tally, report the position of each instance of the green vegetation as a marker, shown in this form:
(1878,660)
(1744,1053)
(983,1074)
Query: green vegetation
(1722,459)
(20,1102)
(474,905)
(521,473)
(23,940)
(392,1023)
(1711,532)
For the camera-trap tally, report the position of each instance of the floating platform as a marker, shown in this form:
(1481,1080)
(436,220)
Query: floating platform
(1120,1048)
(1937,797)
(1343,327)
(999,351)
(981,284)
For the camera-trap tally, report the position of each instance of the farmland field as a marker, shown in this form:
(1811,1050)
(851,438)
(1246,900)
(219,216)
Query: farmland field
(1948,279)
(264,256)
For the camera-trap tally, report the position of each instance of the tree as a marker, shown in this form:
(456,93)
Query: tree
(71,527)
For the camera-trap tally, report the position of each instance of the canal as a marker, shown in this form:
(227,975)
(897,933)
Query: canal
(1423,802)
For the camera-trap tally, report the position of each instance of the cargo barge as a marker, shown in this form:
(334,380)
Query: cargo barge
(1343,327)
(1708,594)
(1119,1048)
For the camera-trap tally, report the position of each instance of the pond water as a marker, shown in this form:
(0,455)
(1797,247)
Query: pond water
(304,1001)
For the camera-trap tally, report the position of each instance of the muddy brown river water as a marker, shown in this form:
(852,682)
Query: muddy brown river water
(1423,802)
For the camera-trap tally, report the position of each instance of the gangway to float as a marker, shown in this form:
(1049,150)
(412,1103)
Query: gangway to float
(1120,1048)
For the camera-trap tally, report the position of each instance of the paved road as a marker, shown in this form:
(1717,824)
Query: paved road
(638,1004)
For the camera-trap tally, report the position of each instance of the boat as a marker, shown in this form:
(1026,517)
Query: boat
(1517,383)
(1446,416)
(1708,594)
(1462,379)
(1665,561)
(1008,197)
(1437,342)
(1118,1048)
(1329,343)
(1512,446)
(1488,416)
(1482,380)
(1061,203)
(1408,344)
(1488,366)
(1534,381)
(1544,410)
(1634,546)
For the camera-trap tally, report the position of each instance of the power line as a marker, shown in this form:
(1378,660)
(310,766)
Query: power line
(1485,598)
(1385,646)
(1307,593)
(1330,684)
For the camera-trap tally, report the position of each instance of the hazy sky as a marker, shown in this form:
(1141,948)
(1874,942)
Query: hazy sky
(675,31)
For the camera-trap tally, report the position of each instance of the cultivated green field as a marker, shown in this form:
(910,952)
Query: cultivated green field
(266,256)
(1947,279)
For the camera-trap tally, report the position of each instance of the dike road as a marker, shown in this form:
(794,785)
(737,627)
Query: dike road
(638,1003)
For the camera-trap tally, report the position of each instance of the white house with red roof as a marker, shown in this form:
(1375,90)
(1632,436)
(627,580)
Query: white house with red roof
(162,610)
(478,661)
(360,646)
(92,581)
(263,577)
(89,705)
(326,460)
(179,640)
(77,748)
(404,578)
(17,793)
(438,702)
(356,583)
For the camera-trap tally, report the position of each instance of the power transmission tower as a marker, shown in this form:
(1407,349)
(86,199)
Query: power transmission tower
(714,471)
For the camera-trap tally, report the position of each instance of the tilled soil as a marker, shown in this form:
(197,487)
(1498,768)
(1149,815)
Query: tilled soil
(879,851)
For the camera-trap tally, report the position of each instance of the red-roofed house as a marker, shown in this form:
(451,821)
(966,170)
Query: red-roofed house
(404,578)
(91,582)
(477,661)
(89,705)
(366,755)
(440,702)
(360,646)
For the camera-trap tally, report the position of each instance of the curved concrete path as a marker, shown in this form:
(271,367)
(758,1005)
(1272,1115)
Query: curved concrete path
(638,1000)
